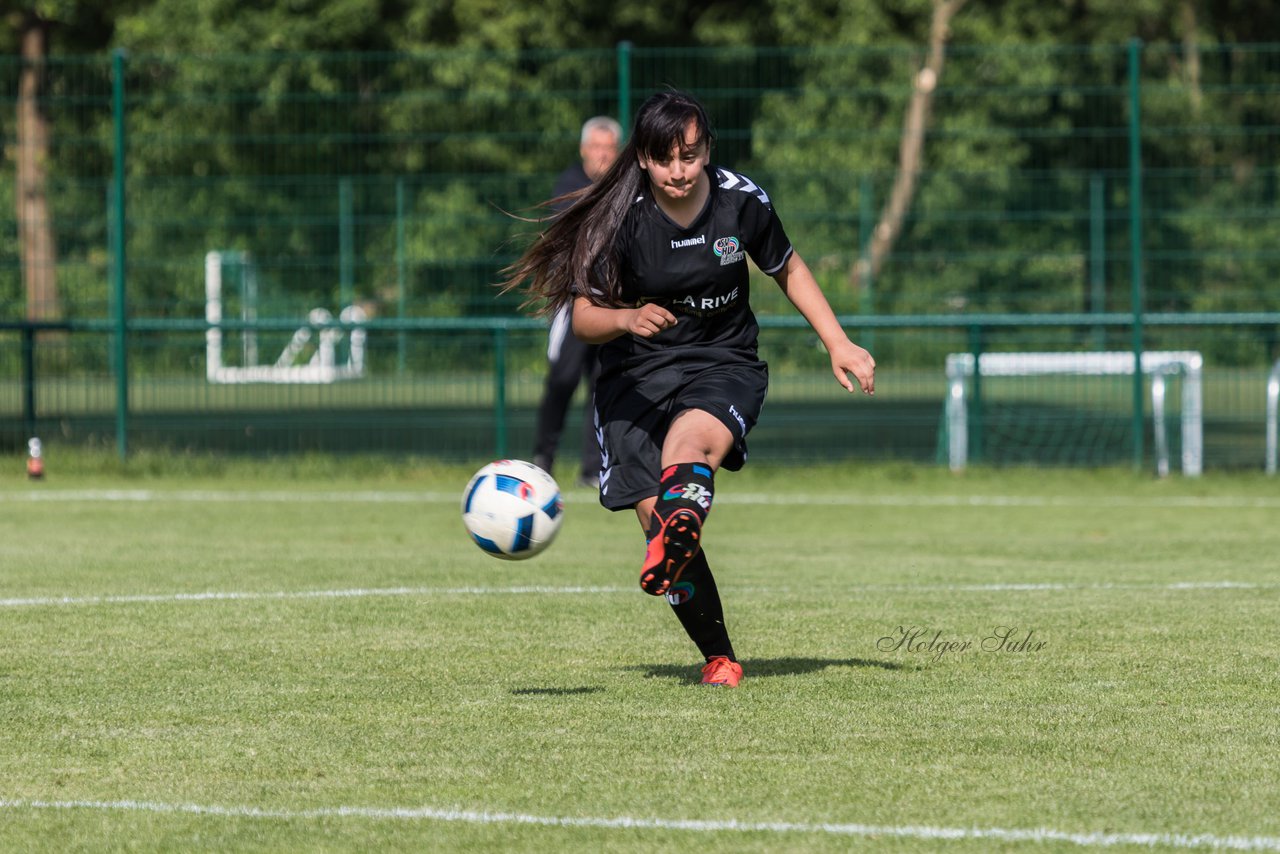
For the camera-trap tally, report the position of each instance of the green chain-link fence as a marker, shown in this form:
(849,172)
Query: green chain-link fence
(1070,199)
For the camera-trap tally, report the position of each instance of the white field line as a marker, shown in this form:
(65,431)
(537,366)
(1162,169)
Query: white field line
(214,496)
(485,817)
(354,593)
(550,590)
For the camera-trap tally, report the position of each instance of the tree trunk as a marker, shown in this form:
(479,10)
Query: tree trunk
(1191,54)
(35,225)
(911,150)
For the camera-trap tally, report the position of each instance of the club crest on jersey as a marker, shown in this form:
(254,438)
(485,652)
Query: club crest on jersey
(728,250)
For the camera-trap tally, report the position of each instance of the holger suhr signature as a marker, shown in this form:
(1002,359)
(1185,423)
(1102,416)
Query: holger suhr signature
(931,642)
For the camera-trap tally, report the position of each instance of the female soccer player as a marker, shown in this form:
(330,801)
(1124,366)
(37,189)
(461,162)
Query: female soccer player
(653,259)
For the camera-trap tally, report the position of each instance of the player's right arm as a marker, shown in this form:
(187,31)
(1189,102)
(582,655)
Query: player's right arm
(798,283)
(596,324)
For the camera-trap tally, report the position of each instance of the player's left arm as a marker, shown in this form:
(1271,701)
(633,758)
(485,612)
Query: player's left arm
(801,288)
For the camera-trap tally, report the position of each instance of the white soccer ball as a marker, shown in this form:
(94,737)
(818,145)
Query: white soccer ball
(512,509)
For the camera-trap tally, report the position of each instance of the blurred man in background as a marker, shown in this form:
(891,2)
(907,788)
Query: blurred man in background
(570,360)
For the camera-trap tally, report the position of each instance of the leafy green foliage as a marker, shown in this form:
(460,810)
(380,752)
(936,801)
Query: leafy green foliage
(246,121)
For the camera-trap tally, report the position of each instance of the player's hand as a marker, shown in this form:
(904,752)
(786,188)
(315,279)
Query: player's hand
(848,358)
(648,320)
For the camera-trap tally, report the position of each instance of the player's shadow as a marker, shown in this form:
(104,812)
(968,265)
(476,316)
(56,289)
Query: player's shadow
(556,692)
(765,667)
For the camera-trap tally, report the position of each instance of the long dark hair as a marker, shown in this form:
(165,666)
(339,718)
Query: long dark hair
(574,255)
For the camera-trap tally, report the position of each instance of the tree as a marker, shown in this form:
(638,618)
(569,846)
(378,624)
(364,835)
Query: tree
(911,156)
(34,31)
(37,246)
(251,119)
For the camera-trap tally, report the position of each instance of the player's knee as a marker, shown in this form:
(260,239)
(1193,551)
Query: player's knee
(697,436)
(709,446)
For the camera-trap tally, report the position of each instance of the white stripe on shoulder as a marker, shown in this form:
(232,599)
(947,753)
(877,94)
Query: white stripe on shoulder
(734,181)
(781,264)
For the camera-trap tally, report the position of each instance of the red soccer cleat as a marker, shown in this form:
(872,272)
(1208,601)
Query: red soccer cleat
(722,672)
(670,551)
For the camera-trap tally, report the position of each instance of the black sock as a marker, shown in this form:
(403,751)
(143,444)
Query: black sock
(696,601)
(687,486)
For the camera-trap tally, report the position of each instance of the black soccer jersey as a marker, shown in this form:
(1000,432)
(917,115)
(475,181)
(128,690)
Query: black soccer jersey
(698,273)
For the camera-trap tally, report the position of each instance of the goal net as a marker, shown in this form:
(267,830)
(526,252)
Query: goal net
(1034,407)
(312,352)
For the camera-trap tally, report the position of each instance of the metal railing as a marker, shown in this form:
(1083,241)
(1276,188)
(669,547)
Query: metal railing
(480,378)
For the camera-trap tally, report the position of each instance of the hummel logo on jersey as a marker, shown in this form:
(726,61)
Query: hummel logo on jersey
(695,492)
(700,240)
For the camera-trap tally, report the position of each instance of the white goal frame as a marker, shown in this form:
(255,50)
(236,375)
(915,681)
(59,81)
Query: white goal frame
(1157,364)
(323,366)
(1273,415)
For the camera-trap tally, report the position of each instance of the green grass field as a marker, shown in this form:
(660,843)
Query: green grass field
(312,656)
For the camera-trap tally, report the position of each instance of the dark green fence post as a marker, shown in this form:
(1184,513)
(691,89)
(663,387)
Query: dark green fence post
(346,246)
(401,276)
(1135,240)
(866,224)
(975,403)
(122,324)
(28,381)
(624,87)
(1098,254)
(500,390)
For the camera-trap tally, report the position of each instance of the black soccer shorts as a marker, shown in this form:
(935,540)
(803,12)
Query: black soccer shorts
(635,410)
